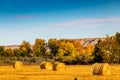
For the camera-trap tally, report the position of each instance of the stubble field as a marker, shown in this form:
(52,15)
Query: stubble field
(81,72)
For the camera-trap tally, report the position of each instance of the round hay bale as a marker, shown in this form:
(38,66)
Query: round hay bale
(59,66)
(101,69)
(46,65)
(42,65)
(18,65)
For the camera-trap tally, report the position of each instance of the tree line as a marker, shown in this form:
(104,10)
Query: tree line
(107,50)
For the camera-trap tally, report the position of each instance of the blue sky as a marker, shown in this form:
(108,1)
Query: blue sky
(30,19)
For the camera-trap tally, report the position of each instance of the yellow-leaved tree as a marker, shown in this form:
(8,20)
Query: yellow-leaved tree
(66,48)
(25,48)
(79,47)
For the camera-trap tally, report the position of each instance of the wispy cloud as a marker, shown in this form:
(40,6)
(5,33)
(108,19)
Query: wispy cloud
(87,21)
(25,17)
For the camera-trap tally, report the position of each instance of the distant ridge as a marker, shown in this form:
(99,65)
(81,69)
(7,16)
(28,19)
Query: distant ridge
(83,41)
(87,41)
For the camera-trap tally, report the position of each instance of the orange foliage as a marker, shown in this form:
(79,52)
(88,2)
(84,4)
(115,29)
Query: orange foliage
(89,49)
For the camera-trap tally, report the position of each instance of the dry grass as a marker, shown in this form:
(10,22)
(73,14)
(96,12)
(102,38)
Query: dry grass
(82,72)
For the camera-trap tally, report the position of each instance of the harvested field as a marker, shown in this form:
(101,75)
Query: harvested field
(81,72)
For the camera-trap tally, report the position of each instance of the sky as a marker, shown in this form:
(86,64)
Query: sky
(45,19)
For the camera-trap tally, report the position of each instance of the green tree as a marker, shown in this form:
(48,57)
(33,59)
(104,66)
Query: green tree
(17,52)
(107,50)
(2,48)
(53,44)
(114,50)
(117,35)
(39,48)
(100,52)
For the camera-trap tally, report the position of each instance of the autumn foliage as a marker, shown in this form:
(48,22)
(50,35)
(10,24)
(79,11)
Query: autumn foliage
(106,50)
